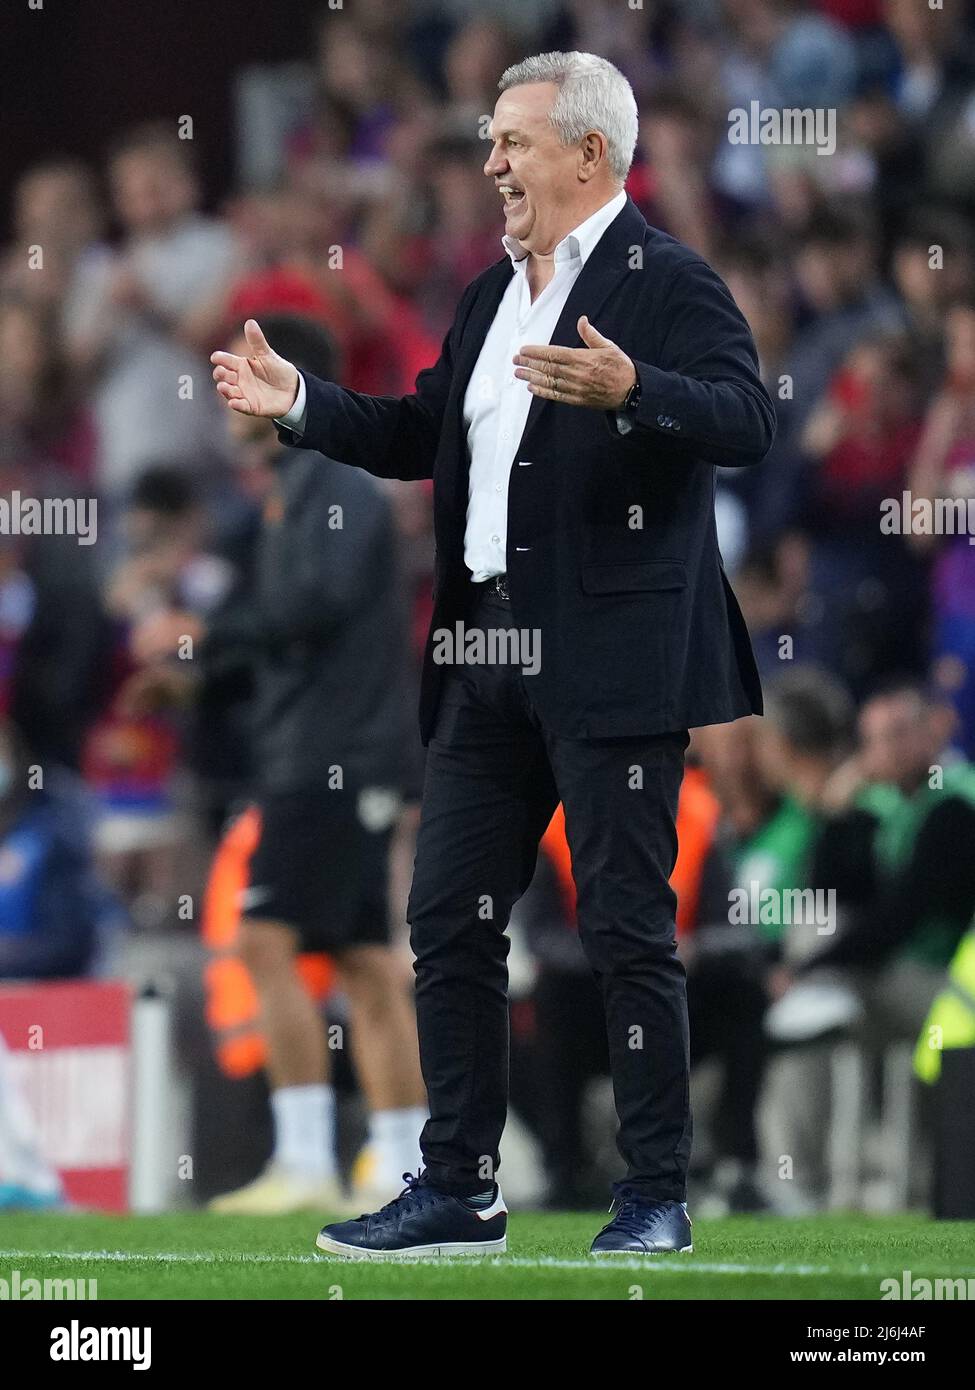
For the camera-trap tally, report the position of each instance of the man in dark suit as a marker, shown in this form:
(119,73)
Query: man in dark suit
(573,479)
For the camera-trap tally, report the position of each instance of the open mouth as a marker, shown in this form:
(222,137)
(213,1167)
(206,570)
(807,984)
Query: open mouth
(513,197)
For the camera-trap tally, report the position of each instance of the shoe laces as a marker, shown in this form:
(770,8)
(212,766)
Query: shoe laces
(416,1193)
(630,1213)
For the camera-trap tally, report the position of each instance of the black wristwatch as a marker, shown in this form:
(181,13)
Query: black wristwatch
(632,398)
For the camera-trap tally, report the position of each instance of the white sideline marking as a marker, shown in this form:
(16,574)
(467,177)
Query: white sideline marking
(651,1264)
(654,1263)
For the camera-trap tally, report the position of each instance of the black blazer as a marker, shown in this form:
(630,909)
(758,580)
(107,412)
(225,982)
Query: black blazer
(612,550)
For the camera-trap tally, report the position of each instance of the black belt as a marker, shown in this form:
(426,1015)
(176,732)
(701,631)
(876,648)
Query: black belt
(496,586)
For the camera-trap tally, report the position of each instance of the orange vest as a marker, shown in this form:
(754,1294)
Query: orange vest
(698,812)
(232,1009)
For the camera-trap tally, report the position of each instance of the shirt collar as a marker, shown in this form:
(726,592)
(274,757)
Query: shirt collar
(580,242)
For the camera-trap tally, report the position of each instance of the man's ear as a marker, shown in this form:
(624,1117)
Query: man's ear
(591,151)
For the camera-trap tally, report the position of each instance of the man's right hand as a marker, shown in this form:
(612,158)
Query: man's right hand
(261,383)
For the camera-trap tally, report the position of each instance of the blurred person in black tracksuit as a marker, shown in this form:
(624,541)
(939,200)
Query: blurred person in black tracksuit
(322,634)
(54,634)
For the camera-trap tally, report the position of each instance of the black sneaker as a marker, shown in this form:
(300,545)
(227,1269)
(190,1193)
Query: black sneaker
(421,1221)
(642,1227)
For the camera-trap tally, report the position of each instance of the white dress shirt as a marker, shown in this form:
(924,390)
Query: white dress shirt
(496,403)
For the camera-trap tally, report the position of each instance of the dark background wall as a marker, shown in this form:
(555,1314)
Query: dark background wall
(77,71)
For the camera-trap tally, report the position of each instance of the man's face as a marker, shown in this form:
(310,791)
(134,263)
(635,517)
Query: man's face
(896,740)
(56,205)
(537,175)
(150,190)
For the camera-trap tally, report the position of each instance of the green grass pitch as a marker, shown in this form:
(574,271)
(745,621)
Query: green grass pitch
(194,1255)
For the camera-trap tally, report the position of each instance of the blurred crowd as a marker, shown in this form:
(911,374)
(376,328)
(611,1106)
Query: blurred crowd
(359,203)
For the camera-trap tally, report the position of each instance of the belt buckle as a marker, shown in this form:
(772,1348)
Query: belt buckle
(501,586)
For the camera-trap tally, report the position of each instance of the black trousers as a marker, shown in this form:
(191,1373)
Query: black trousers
(494,776)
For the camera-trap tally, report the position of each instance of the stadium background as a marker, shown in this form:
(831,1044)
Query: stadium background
(335,159)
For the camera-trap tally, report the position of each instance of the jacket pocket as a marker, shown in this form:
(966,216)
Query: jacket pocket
(634,577)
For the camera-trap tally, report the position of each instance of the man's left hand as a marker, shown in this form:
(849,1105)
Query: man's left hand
(598,375)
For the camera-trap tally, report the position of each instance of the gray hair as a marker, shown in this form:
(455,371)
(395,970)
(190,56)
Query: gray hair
(593,95)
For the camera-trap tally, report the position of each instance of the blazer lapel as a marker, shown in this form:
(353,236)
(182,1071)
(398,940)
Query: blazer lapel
(454,479)
(479,320)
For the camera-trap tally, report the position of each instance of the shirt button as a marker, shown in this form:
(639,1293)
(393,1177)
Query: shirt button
(497,487)
(496,540)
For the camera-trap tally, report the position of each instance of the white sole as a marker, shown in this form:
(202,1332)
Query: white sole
(413,1252)
(636,1254)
